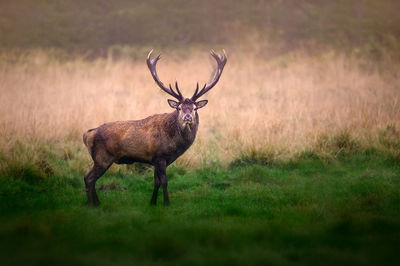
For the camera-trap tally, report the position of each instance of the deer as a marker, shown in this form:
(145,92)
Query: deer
(157,140)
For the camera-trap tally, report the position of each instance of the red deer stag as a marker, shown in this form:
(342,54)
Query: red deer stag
(157,140)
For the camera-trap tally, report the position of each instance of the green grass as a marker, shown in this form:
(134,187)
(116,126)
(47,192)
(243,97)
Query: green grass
(306,211)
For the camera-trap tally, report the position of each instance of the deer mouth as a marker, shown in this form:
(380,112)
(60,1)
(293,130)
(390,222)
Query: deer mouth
(187,125)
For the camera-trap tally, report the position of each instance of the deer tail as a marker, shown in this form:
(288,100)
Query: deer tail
(88,137)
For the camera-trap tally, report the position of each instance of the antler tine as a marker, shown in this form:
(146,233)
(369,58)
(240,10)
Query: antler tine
(221,61)
(170,87)
(177,89)
(151,63)
(195,92)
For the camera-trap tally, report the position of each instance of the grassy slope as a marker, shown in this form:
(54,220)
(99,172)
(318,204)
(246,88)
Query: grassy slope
(303,212)
(99,24)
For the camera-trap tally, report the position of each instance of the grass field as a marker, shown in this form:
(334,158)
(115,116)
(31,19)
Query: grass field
(296,162)
(306,211)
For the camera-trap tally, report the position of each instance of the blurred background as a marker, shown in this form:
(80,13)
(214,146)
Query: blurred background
(100,27)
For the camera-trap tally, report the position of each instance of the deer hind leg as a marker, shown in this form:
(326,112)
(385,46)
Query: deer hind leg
(90,181)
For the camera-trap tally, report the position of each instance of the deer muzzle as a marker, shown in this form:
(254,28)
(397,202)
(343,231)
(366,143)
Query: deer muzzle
(188,118)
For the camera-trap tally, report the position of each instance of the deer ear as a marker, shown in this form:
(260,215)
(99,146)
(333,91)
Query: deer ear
(173,104)
(201,104)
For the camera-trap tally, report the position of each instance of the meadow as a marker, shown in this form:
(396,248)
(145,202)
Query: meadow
(302,212)
(296,162)
(274,107)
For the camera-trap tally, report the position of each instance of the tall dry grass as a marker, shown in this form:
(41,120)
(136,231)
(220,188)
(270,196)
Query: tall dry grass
(284,103)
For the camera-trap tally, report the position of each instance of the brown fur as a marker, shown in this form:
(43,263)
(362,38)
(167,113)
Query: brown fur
(139,140)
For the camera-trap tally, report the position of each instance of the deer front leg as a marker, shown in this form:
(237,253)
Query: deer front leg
(160,169)
(157,184)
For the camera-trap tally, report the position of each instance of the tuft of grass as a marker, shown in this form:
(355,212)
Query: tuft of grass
(389,140)
(333,146)
(29,172)
(264,156)
(389,137)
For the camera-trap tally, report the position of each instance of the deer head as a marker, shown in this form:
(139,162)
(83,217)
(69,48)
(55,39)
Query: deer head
(187,107)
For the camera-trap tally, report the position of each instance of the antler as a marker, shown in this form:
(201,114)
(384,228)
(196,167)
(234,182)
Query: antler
(151,63)
(221,61)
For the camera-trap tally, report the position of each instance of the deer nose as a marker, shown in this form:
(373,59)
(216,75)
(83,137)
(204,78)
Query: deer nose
(187,118)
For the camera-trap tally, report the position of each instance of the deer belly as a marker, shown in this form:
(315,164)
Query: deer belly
(130,160)
(138,151)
